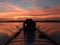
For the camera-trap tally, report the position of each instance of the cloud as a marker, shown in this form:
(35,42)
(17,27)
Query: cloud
(12,7)
(12,10)
(45,12)
(48,11)
(19,11)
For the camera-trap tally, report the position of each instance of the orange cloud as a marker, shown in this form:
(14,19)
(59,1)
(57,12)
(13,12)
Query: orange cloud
(13,10)
(19,11)
(47,11)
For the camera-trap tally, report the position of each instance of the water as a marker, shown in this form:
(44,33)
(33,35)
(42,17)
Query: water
(10,29)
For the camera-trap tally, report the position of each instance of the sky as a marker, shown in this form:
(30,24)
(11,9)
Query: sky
(29,7)
(30,3)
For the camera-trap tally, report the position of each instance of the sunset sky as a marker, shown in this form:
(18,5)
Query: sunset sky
(29,7)
(41,9)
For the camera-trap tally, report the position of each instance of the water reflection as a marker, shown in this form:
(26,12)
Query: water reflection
(9,29)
